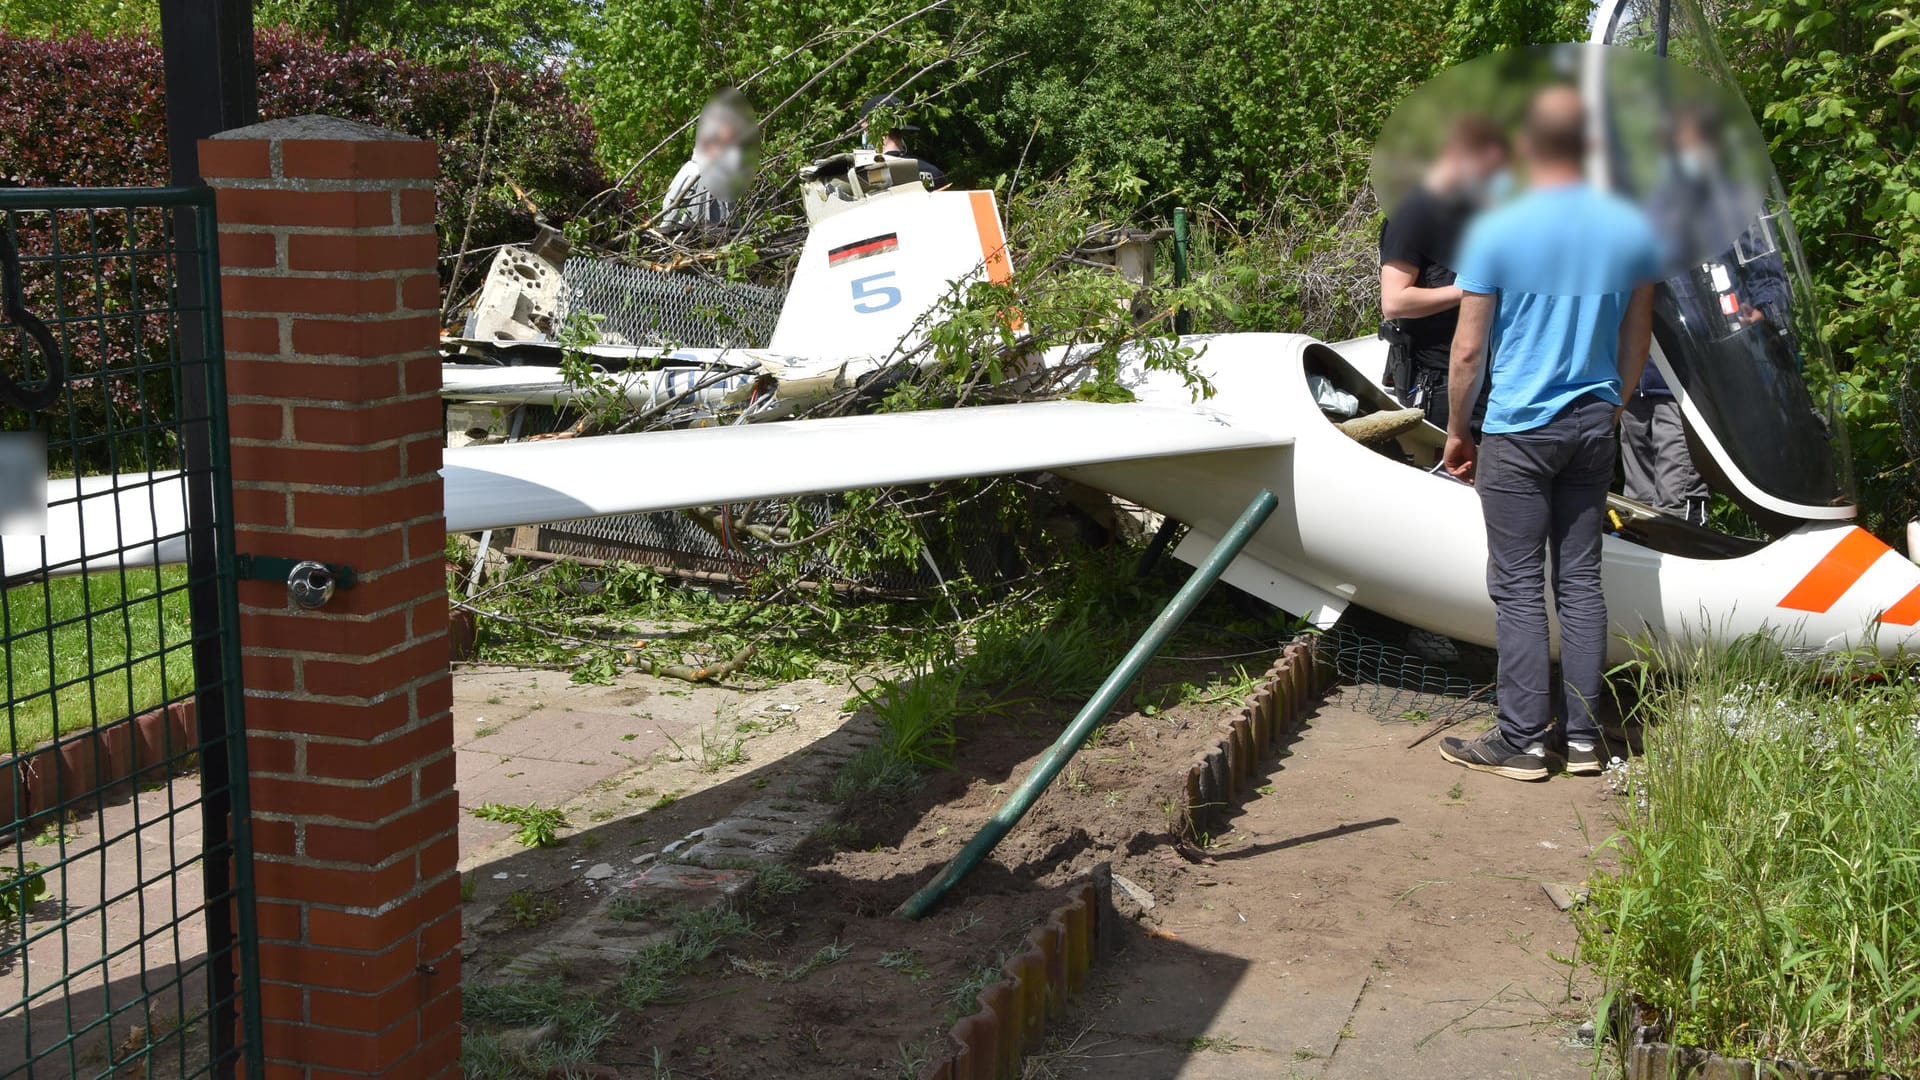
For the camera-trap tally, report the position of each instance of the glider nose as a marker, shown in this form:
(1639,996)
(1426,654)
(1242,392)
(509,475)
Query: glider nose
(1860,590)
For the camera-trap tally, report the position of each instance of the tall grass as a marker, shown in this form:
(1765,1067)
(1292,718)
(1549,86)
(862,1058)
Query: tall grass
(92,649)
(1767,899)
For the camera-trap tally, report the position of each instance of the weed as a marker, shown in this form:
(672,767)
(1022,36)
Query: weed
(637,908)
(964,998)
(590,842)
(913,1059)
(906,962)
(694,936)
(494,700)
(778,880)
(578,1026)
(719,751)
(538,825)
(1456,792)
(1769,857)
(916,713)
(837,836)
(1203,1043)
(966,925)
(20,888)
(528,909)
(875,777)
(824,956)
(1264,789)
(468,886)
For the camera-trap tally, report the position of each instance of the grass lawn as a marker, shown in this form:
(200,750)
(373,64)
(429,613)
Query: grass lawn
(1767,900)
(93,649)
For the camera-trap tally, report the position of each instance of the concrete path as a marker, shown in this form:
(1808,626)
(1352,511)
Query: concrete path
(1377,914)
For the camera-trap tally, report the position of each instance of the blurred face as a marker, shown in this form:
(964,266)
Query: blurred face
(1479,172)
(718,138)
(1693,151)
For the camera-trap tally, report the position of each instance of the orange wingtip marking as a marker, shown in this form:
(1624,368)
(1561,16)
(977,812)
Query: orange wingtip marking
(993,242)
(1833,575)
(1906,612)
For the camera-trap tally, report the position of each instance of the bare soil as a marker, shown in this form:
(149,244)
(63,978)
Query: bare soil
(884,1007)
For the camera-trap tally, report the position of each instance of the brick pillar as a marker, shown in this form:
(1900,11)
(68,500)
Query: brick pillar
(331,300)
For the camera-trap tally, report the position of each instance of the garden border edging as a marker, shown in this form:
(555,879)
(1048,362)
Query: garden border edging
(1014,1013)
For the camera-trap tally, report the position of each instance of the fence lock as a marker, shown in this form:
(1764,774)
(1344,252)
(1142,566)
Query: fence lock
(310,584)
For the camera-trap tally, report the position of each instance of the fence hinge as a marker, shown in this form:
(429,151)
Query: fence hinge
(309,583)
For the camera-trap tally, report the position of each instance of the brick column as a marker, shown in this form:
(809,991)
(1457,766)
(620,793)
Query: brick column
(331,301)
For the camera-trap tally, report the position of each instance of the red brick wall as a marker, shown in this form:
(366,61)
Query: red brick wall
(331,302)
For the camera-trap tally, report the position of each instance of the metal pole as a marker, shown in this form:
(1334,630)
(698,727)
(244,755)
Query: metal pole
(1162,537)
(207,53)
(1063,748)
(1182,321)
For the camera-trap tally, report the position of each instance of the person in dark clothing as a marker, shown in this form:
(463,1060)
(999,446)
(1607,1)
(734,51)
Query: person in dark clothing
(893,141)
(1732,282)
(1653,452)
(1559,300)
(1417,293)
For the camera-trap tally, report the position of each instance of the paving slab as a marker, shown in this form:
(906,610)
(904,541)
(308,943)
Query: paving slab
(1377,913)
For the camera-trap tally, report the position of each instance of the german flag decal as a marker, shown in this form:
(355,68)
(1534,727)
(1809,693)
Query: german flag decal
(860,249)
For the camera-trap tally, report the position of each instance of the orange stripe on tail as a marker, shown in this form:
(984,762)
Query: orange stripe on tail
(993,242)
(1906,612)
(1833,575)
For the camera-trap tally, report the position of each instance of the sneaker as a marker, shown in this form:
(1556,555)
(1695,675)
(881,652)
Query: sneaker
(1585,760)
(1490,752)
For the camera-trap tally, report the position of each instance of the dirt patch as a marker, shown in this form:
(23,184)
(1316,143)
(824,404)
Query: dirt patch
(825,982)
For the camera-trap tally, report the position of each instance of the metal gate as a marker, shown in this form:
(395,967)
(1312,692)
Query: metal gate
(126,907)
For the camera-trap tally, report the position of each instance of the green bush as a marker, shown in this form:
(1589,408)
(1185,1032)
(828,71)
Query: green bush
(1767,897)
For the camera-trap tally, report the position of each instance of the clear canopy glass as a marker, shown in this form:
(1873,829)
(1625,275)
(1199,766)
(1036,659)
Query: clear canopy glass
(1737,333)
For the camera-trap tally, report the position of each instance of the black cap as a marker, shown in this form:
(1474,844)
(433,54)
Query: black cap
(893,104)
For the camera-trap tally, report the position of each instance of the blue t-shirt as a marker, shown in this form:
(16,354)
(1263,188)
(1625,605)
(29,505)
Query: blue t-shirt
(1563,263)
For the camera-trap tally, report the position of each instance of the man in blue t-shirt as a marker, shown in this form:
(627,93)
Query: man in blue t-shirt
(1557,287)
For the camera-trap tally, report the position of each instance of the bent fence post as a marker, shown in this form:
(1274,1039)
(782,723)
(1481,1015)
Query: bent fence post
(1096,709)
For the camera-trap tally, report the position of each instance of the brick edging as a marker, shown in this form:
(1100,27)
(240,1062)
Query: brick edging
(103,760)
(1054,966)
(1222,776)
(1649,1059)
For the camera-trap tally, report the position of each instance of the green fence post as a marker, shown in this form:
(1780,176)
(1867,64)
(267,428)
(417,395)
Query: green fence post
(1182,321)
(1095,710)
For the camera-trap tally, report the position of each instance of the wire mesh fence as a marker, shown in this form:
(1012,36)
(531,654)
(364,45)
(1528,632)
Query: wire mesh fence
(641,306)
(124,888)
(1453,681)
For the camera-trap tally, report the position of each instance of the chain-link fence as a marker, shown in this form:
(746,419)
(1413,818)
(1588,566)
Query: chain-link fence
(1445,680)
(126,944)
(687,308)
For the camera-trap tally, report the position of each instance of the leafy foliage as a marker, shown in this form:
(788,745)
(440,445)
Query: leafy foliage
(20,888)
(1834,84)
(528,33)
(537,826)
(91,111)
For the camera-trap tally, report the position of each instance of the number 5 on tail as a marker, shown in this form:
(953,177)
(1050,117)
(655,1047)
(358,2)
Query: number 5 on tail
(869,298)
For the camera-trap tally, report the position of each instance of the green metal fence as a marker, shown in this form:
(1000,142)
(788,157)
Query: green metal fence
(126,913)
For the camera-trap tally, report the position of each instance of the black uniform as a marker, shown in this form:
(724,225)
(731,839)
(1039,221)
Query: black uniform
(1424,231)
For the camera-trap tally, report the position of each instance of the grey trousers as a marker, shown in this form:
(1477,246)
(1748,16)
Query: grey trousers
(1658,466)
(1544,494)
